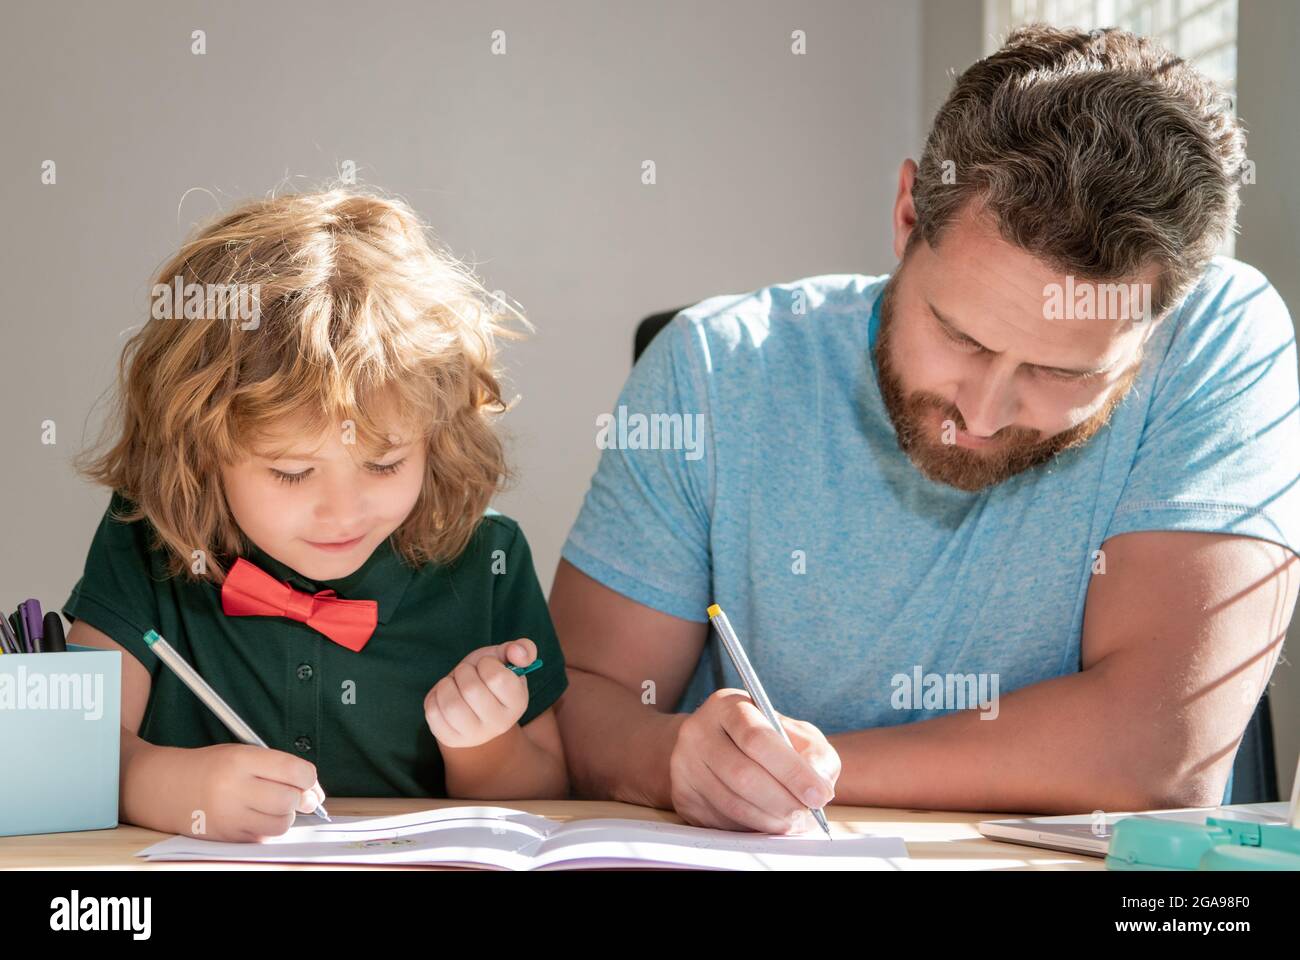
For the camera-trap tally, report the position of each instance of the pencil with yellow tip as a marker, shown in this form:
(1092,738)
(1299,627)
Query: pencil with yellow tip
(752,684)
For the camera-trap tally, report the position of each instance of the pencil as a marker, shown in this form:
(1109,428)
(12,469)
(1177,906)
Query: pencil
(754,686)
(190,677)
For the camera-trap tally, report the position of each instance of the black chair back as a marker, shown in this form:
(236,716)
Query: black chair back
(647,328)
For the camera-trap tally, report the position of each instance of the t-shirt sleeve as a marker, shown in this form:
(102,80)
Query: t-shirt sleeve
(116,591)
(1220,450)
(519,610)
(643,530)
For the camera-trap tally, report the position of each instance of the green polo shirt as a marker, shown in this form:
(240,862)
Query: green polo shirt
(359,717)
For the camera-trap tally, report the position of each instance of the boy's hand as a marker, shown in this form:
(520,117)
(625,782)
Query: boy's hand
(482,698)
(247,794)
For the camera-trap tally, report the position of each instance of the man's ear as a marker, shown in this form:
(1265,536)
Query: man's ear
(904,211)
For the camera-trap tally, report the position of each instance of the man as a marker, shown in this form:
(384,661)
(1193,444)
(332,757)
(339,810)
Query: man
(1013,528)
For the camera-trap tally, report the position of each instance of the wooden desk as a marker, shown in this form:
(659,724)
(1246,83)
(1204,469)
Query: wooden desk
(936,840)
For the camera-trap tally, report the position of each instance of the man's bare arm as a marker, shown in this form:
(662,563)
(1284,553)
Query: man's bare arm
(1179,637)
(722,765)
(617,746)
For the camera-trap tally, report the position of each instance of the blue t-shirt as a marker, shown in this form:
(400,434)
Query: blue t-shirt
(843,568)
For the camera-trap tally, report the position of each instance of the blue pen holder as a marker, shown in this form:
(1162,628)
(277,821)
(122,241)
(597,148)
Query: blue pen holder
(60,729)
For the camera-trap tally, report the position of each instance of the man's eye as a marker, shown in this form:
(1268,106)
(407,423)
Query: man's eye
(1056,374)
(963,342)
(1063,375)
(290,478)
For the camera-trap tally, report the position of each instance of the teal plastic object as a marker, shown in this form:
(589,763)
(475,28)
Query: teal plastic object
(1140,844)
(1221,843)
(524,671)
(1249,858)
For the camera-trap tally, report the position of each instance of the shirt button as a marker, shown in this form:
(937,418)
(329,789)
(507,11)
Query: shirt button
(303,744)
(304,671)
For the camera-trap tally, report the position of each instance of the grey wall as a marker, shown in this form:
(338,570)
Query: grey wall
(952,38)
(770,167)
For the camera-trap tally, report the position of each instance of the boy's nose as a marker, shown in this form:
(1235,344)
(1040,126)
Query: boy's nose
(340,511)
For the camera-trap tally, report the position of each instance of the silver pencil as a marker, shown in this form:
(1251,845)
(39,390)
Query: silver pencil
(755,688)
(190,677)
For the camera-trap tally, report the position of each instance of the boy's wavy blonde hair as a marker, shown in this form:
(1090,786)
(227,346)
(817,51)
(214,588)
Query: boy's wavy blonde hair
(358,309)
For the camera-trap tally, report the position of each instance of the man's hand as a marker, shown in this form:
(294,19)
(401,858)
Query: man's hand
(730,769)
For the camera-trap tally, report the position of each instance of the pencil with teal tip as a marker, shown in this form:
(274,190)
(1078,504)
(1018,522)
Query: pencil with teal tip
(190,677)
(755,688)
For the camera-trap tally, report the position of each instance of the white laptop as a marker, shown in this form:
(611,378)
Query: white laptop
(1085,834)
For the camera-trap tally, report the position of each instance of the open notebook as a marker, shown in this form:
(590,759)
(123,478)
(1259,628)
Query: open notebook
(506,839)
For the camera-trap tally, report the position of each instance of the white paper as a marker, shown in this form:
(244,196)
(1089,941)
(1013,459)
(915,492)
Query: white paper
(508,839)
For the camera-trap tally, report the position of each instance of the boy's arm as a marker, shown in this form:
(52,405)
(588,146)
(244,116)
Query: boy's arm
(507,759)
(1180,635)
(522,763)
(153,788)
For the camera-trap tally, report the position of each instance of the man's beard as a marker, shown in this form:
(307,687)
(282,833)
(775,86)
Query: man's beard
(1014,450)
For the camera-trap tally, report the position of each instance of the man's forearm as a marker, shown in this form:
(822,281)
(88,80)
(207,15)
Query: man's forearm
(617,747)
(1071,744)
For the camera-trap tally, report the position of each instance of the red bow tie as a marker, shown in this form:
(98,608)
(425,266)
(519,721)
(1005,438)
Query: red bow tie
(250,591)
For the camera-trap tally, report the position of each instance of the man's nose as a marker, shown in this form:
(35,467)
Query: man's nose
(987,398)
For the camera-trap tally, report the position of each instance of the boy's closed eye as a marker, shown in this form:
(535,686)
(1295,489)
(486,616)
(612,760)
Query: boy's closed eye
(380,469)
